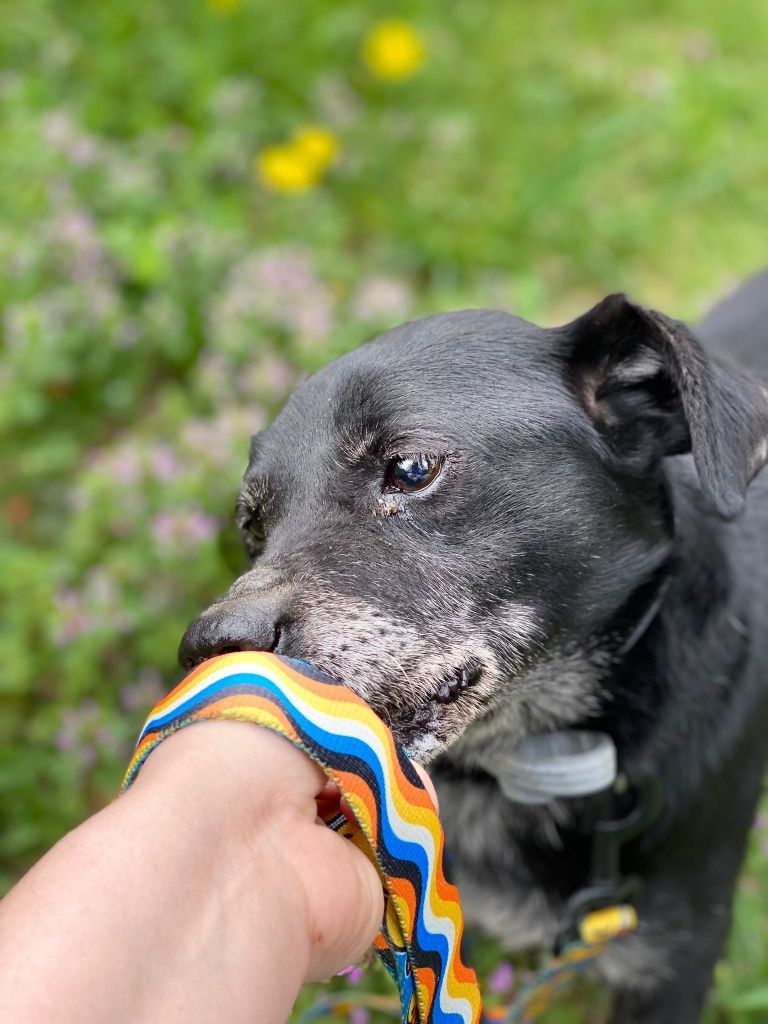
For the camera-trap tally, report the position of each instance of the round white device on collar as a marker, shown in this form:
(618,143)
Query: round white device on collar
(568,763)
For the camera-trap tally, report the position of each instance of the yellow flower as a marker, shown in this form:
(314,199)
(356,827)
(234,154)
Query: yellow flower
(284,169)
(393,50)
(297,165)
(224,6)
(318,145)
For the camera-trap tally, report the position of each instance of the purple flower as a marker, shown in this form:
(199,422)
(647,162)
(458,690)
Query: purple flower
(121,463)
(67,733)
(73,235)
(164,529)
(280,288)
(107,738)
(79,732)
(145,692)
(73,619)
(354,974)
(502,978)
(381,298)
(284,272)
(86,754)
(96,605)
(221,441)
(175,528)
(312,318)
(270,377)
(199,526)
(63,136)
(163,463)
(359,1015)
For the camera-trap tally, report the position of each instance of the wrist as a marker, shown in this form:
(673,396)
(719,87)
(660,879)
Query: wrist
(242,795)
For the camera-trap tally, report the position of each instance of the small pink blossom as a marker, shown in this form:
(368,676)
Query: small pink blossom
(96,605)
(107,738)
(502,978)
(82,731)
(121,463)
(354,974)
(164,464)
(223,440)
(271,377)
(61,133)
(312,319)
(145,692)
(382,298)
(87,756)
(175,528)
(73,235)
(280,288)
(73,619)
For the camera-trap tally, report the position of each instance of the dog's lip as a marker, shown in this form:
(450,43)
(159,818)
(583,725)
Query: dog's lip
(457,682)
(453,685)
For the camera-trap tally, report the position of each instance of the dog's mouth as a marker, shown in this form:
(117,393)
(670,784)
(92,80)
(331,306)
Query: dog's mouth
(423,720)
(457,683)
(413,711)
(450,688)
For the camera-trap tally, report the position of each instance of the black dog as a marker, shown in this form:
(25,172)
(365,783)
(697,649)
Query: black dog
(490,530)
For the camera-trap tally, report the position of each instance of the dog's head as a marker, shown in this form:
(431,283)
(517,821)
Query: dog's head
(435,514)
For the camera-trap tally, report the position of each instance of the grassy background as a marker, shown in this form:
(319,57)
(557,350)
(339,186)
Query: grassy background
(159,300)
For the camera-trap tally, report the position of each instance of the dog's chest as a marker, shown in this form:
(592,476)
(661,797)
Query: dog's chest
(504,895)
(500,893)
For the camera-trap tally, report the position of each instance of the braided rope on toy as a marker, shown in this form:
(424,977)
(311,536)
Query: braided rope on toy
(395,825)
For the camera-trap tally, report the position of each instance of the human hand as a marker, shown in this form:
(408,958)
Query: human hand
(267,792)
(209,891)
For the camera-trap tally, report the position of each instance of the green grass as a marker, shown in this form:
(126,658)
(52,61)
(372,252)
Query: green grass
(158,302)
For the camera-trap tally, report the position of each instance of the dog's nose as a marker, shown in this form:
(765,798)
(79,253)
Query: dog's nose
(241,627)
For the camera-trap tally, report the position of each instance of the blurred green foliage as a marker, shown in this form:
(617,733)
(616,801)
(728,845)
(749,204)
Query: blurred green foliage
(159,301)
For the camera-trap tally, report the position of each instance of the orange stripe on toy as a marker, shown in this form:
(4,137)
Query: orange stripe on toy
(397,825)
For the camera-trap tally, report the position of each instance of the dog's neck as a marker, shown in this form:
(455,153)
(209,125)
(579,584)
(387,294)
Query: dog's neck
(623,680)
(571,686)
(559,692)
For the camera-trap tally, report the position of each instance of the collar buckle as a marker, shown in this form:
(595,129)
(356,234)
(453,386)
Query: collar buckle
(608,888)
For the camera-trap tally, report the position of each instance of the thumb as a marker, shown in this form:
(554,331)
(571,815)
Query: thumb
(347,906)
(351,907)
(428,785)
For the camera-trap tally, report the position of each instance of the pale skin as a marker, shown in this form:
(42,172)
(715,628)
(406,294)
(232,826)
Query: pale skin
(210,891)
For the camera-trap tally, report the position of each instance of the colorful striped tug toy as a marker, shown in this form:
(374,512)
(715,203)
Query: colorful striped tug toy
(395,825)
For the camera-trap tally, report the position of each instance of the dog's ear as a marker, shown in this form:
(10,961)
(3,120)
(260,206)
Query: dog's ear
(651,391)
(255,444)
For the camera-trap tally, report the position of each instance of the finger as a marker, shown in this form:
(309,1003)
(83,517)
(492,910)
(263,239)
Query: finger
(349,905)
(428,785)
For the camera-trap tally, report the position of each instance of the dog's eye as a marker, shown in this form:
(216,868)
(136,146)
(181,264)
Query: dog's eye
(412,472)
(254,535)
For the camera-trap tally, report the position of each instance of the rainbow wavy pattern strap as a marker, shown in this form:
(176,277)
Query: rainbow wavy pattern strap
(396,824)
